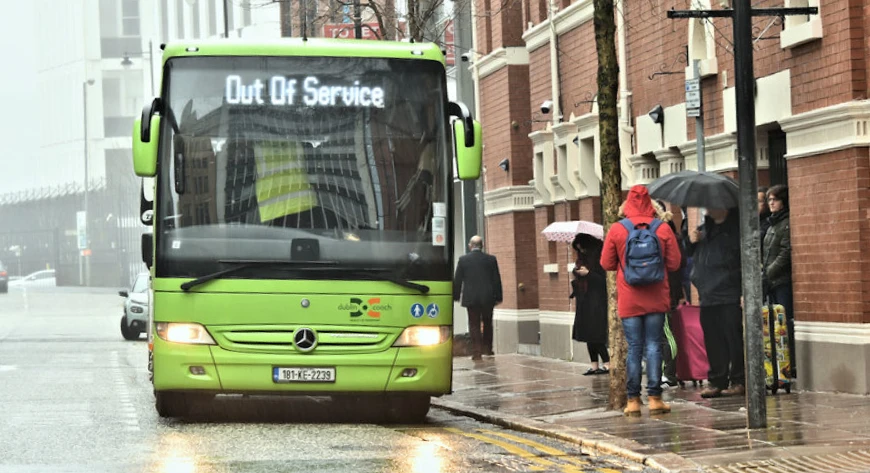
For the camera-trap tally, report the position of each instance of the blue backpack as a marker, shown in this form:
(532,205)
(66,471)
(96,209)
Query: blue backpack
(643,263)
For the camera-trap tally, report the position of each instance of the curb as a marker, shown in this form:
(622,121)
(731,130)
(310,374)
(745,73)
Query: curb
(595,441)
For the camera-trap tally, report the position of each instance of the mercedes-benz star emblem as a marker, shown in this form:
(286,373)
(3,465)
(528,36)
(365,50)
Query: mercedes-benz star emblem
(305,339)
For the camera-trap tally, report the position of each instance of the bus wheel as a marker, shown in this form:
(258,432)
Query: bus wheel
(408,409)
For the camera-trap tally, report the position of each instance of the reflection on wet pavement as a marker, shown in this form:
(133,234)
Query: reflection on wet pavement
(707,431)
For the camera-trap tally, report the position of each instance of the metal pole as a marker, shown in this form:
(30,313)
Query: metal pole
(751,259)
(357,20)
(699,122)
(226,19)
(465,93)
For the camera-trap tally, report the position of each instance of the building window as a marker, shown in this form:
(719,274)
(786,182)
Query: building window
(164,20)
(179,18)
(194,13)
(231,16)
(130,18)
(246,13)
(800,29)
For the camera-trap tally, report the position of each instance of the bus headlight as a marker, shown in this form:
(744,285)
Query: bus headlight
(184,333)
(423,336)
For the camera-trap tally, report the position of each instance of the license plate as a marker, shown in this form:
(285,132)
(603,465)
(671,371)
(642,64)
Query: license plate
(303,375)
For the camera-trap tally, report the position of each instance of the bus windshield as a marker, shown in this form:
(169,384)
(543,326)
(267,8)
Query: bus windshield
(303,159)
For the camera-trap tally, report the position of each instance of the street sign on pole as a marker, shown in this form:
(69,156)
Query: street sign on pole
(693,97)
(82,229)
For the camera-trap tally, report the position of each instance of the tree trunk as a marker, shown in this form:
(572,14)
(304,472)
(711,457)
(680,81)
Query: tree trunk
(611,176)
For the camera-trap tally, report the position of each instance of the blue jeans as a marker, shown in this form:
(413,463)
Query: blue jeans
(644,337)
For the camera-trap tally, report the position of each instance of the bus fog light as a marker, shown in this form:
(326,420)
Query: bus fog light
(409,372)
(197,370)
(423,335)
(184,333)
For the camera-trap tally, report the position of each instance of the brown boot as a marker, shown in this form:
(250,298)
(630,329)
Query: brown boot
(632,409)
(657,406)
(735,390)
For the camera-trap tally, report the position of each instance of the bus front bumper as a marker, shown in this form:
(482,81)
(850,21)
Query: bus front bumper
(210,368)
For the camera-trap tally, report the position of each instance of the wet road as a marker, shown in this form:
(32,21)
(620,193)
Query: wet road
(75,397)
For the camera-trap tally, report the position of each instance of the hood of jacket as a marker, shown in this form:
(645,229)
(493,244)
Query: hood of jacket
(638,203)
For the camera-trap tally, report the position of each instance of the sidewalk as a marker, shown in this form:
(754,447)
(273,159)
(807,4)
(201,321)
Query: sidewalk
(807,431)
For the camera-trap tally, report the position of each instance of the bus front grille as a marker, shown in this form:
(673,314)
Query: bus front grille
(327,339)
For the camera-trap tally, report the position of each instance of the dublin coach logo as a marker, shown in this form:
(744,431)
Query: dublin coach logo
(305,339)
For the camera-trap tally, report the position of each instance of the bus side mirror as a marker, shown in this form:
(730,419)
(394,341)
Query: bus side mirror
(468,158)
(146,137)
(148,249)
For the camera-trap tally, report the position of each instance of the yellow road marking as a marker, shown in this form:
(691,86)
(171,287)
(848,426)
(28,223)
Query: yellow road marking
(539,446)
(520,452)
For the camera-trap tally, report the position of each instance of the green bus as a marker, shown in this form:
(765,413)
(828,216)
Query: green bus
(302,229)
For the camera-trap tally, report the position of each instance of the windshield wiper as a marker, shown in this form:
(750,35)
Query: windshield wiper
(244,264)
(307,265)
(386,276)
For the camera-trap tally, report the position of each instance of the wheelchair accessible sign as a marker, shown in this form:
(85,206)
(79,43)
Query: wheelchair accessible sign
(432,310)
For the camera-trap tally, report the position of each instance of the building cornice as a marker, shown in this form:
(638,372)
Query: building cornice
(832,332)
(566,20)
(553,317)
(500,58)
(515,315)
(508,199)
(541,136)
(834,128)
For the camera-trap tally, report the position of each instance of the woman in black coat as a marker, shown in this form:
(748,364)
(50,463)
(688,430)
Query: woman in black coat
(590,296)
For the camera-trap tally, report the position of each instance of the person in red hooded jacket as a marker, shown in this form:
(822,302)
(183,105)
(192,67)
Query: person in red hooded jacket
(641,308)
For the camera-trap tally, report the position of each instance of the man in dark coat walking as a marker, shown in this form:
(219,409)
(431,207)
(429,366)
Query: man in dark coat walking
(478,282)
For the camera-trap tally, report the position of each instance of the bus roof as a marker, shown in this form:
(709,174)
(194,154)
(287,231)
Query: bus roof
(299,47)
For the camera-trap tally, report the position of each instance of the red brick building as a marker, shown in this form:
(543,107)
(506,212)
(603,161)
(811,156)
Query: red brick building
(813,133)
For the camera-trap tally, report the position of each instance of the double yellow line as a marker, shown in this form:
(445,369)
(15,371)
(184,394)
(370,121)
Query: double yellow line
(494,437)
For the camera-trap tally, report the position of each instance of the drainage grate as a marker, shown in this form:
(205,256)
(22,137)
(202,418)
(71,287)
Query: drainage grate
(846,462)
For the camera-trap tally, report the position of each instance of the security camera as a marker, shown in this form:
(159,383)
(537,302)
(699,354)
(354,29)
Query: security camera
(546,106)
(466,57)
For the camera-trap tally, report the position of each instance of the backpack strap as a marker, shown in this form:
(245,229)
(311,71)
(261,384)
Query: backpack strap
(626,222)
(654,226)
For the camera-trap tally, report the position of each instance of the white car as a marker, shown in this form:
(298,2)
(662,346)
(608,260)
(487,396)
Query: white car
(135,319)
(44,278)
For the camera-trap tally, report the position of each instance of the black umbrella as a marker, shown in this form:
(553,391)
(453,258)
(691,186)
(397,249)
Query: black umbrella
(696,189)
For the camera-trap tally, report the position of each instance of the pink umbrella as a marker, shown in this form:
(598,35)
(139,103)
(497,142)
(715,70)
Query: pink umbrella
(566,231)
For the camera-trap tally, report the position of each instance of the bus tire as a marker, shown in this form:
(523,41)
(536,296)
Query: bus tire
(129,333)
(408,409)
(172,404)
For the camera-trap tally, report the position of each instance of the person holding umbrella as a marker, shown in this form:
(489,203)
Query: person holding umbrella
(589,291)
(715,248)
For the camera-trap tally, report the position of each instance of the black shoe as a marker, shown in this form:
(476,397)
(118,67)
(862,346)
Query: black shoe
(590,372)
(602,371)
(668,382)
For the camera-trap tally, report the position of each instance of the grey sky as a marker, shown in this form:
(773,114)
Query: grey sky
(18,94)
